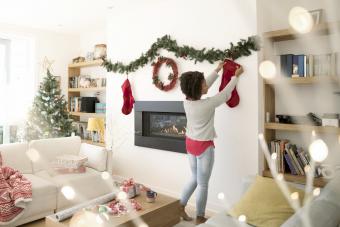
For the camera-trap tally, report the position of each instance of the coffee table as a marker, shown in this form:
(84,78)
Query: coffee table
(163,213)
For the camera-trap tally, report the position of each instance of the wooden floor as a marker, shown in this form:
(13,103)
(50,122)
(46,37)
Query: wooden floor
(41,223)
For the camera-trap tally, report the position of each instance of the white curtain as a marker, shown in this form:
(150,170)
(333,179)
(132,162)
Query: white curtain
(16,79)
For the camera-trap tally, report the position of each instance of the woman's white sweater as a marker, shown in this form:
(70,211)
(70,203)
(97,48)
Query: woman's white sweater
(201,113)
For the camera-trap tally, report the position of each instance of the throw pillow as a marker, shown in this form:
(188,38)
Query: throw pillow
(81,169)
(324,210)
(97,156)
(264,205)
(69,161)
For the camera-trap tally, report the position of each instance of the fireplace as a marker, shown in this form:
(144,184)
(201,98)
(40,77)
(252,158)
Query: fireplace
(160,125)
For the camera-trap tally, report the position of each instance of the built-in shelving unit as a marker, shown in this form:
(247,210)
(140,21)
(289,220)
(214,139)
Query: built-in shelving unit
(271,128)
(305,80)
(93,143)
(74,69)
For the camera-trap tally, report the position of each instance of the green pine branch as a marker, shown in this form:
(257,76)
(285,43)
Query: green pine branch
(242,48)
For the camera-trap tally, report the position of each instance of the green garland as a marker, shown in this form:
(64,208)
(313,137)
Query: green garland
(243,48)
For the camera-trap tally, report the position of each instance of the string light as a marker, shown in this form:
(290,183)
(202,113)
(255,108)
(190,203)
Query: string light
(313,133)
(318,150)
(105,175)
(122,195)
(220,196)
(274,156)
(242,218)
(261,136)
(68,192)
(300,20)
(307,168)
(99,220)
(316,192)
(294,196)
(267,69)
(143,225)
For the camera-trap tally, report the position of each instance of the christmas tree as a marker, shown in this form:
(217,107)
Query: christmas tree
(48,117)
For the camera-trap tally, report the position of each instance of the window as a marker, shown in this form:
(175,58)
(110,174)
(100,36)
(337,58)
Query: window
(16,84)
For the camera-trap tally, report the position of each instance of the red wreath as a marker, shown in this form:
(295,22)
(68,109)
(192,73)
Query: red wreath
(172,77)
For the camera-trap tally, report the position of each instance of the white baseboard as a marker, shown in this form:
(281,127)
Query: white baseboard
(212,208)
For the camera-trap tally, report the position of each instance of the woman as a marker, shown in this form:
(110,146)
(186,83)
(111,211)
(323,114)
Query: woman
(200,133)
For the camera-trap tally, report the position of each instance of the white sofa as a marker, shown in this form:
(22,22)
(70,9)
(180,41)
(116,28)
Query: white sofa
(46,185)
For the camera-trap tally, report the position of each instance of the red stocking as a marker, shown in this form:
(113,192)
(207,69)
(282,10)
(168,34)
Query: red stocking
(128,98)
(229,69)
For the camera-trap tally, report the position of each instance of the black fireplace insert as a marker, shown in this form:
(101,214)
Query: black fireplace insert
(160,125)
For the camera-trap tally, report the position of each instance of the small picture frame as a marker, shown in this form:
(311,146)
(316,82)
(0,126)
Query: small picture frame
(316,15)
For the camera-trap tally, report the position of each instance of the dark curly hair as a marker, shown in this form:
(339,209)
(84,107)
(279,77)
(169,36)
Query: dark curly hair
(191,84)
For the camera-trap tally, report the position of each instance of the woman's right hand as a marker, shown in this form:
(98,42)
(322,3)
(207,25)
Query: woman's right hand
(239,71)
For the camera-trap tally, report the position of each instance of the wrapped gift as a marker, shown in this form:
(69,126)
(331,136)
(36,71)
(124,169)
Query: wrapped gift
(131,188)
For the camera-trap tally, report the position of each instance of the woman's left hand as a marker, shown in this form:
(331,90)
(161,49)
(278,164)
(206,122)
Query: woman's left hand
(220,66)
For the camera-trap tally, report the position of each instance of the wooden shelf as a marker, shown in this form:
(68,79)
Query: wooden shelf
(86,89)
(305,80)
(86,64)
(302,128)
(93,143)
(81,114)
(290,34)
(318,182)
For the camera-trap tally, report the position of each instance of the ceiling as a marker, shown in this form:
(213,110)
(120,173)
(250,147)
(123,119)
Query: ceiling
(67,16)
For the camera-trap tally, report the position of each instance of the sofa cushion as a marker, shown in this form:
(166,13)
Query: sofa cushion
(14,156)
(264,204)
(49,149)
(41,186)
(86,186)
(327,204)
(97,156)
(44,195)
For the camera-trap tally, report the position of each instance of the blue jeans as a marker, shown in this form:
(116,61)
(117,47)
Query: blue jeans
(201,167)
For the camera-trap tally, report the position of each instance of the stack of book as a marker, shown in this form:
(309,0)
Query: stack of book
(75,104)
(290,158)
(291,65)
(74,82)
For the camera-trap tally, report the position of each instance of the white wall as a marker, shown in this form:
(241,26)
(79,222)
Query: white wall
(132,27)
(300,100)
(57,47)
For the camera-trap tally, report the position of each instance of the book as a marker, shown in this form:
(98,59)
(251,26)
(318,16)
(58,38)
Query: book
(283,65)
(296,67)
(296,162)
(300,162)
(310,65)
(282,150)
(293,159)
(301,65)
(290,165)
(289,66)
